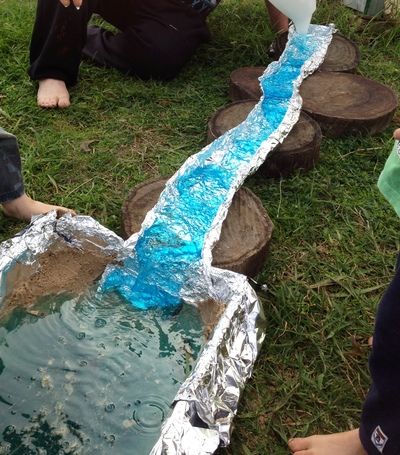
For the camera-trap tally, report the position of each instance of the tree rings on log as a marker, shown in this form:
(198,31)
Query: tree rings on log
(244,83)
(300,150)
(228,117)
(245,235)
(345,104)
(343,54)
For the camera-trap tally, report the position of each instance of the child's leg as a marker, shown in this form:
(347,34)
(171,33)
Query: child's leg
(156,37)
(279,22)
(15,202)
(11,183)
(380,421)
(58,37)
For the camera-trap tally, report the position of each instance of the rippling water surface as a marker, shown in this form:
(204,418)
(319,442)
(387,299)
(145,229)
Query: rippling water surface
(92,376)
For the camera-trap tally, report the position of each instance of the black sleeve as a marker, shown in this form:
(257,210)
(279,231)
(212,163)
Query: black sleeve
(380,421)
(11,183)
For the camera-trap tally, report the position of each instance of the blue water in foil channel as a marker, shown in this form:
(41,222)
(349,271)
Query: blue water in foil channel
(169,250)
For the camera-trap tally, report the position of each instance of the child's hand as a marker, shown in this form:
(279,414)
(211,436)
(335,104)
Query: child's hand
(76,3)
(396,134)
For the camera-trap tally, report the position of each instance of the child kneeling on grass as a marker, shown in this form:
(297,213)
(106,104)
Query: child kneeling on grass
(379,432)
(15,202)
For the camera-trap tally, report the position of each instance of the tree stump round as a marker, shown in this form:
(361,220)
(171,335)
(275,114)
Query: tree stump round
(244,83)
(300,150)
(245,235)
(345,104)
(343,54)
(228,117)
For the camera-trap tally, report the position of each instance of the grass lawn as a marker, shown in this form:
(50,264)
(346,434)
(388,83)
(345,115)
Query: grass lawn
(335,239)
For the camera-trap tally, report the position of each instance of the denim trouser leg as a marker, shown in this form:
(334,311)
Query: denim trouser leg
(11,183)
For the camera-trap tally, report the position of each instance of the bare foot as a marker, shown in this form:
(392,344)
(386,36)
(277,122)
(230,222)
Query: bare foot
(53,93)
(396,134)
(347,443)
(23,208)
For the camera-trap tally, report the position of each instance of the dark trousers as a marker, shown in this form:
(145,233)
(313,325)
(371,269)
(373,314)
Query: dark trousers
(155,38)
(11,184)
(380,422)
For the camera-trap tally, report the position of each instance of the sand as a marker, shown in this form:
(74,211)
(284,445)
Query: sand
(210,312)
(63,270)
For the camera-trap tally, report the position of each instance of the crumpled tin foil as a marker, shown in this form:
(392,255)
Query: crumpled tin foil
(211,393)
(45,233)
(172,252)
(207,402)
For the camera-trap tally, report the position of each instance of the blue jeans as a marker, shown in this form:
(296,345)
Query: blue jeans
(11,183)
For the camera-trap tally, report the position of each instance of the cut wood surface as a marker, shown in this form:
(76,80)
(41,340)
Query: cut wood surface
(228,117)
(345,104)
(244,83)
(245,235)
(343,54)
(300,150)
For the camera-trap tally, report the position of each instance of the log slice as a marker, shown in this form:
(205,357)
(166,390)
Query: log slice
(345,104)
(300,149)
(245,235)
(244,83)
(228,117)
(343,55)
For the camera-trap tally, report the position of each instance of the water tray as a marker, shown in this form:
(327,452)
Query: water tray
(81,373)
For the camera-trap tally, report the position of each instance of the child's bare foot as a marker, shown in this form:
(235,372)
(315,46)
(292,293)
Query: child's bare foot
(396,134)
(23,208)
(53,93)
(347,443)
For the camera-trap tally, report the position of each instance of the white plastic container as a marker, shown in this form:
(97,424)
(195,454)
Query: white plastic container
(300,11)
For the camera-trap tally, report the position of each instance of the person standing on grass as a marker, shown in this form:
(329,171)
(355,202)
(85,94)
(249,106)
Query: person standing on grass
(379,432)
(156,38)
(13,199)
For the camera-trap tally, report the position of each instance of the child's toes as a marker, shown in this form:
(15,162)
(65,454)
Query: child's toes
(299,445)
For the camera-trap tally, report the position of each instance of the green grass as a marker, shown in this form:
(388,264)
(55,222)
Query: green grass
(335,238)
